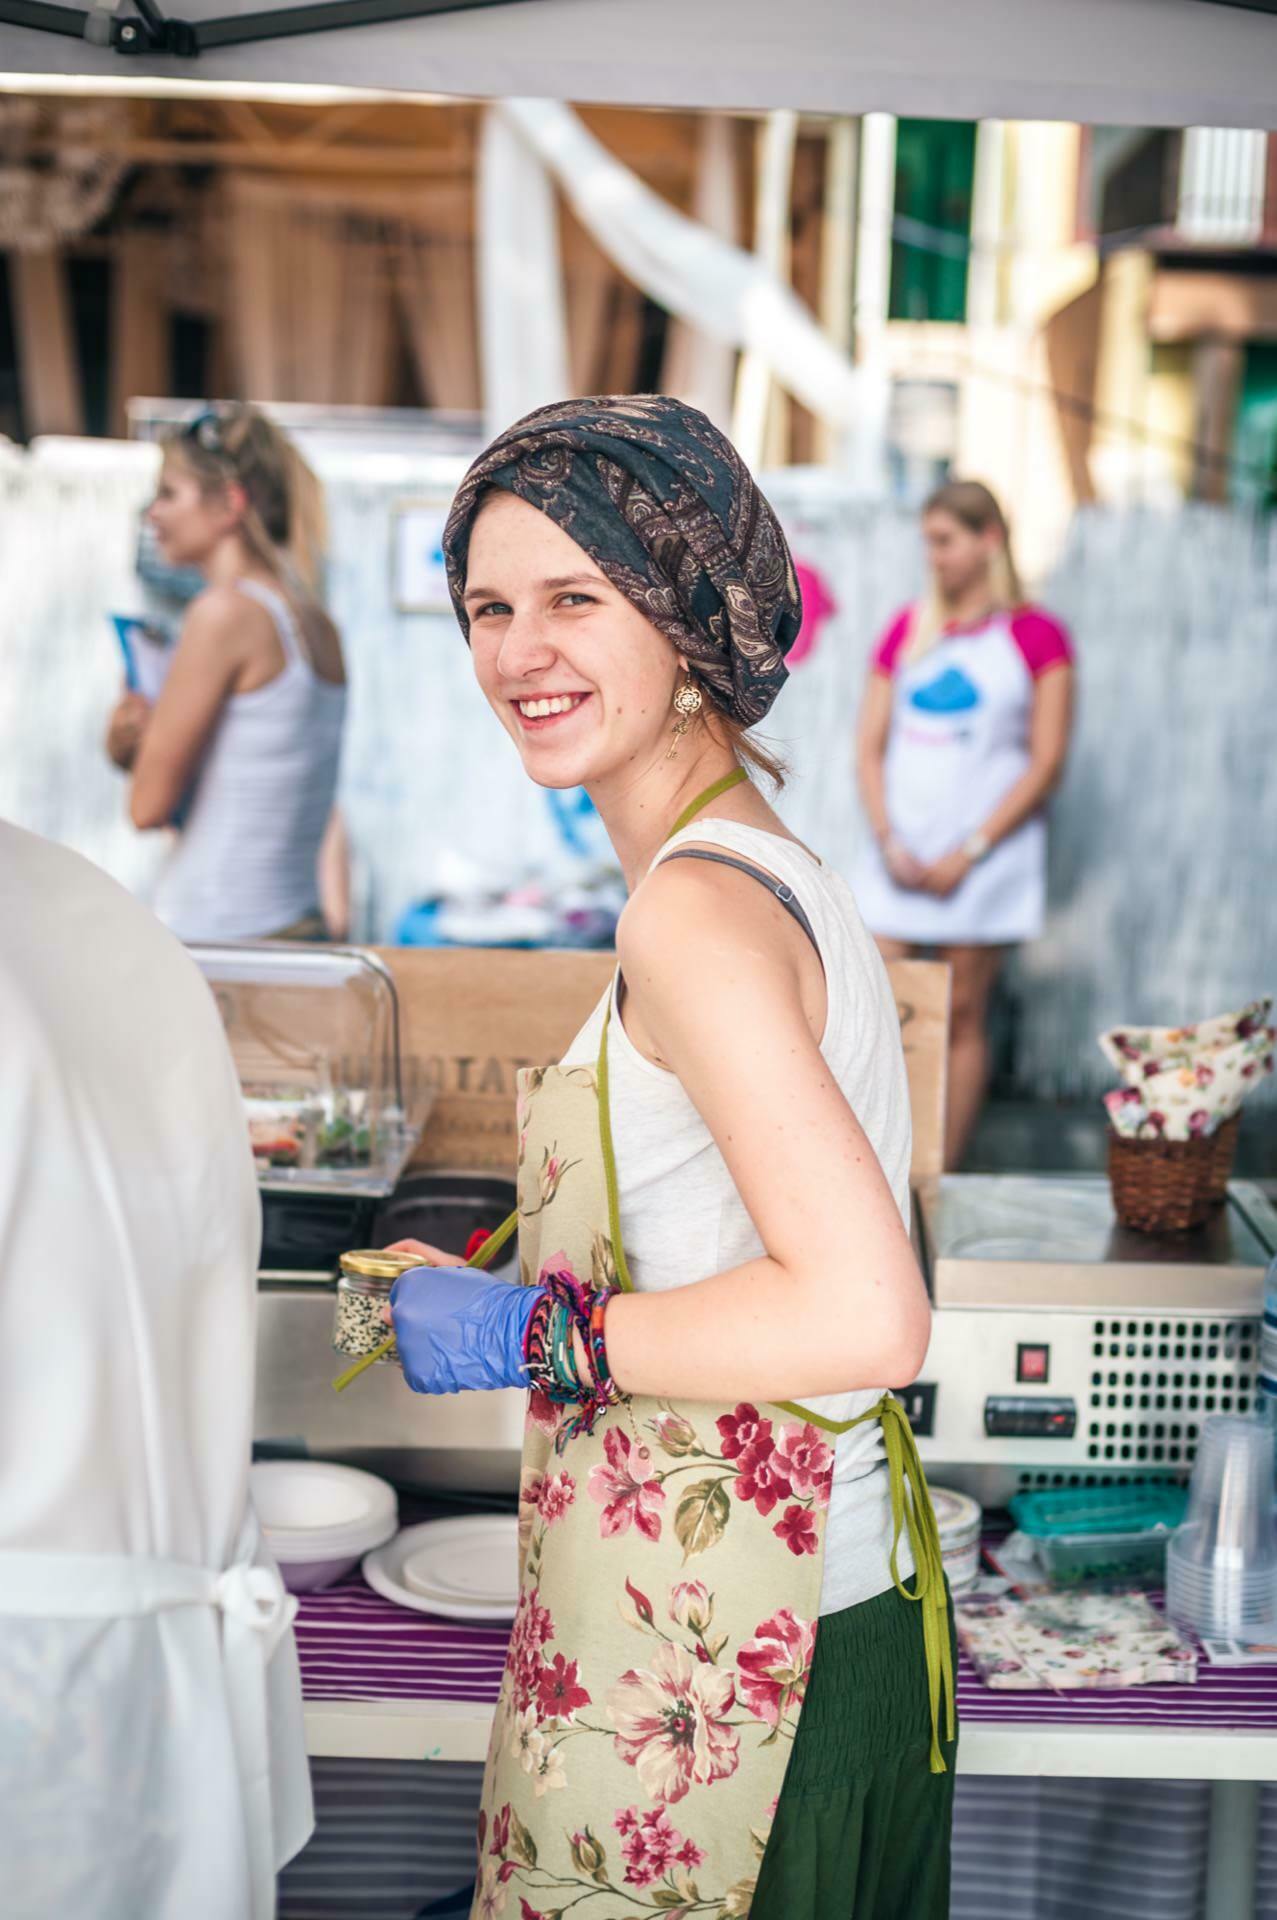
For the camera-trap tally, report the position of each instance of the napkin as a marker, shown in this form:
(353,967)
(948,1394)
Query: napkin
(1069,1641)
(1182,1083)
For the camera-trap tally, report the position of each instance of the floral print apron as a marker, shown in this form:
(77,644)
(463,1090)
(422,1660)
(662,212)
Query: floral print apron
(670,1575)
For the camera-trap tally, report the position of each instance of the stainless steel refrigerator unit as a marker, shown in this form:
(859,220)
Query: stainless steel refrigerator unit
(1066,1349)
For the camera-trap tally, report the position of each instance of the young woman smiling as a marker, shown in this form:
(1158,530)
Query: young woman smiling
(721,1619)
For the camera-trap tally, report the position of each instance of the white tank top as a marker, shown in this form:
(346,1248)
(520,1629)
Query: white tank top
(681,1216)
(244,863)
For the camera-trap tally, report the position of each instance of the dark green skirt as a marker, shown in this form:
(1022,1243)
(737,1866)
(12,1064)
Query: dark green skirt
(862,1825)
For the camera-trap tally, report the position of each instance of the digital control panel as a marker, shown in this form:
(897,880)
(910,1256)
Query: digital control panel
(1008,1415)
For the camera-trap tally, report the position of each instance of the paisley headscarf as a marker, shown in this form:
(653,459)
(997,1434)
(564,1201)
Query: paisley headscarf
(664,505)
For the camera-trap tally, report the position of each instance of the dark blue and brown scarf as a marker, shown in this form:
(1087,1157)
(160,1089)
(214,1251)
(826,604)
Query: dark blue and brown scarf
(664,505)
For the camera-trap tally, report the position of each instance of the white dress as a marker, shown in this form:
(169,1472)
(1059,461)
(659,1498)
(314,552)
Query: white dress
(152,1756)
(959,741)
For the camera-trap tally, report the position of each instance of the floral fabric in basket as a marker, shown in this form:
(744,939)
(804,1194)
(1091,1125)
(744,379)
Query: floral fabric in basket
(1067,1641)
(1185,1082)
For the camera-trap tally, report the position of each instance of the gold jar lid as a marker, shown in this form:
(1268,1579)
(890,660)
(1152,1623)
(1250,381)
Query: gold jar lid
(374,1263)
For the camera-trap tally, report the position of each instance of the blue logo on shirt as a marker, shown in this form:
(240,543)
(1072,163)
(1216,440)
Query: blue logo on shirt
(949,692)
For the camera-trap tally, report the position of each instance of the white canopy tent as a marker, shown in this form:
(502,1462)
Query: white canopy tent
(1115,62)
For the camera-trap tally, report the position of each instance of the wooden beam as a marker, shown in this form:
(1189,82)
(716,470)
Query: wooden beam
(1268,236)
(1217,374)
(140,323)
(292,157)
(52,399)
(250,125)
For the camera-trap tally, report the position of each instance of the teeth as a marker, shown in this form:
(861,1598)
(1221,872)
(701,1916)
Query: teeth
(541,709)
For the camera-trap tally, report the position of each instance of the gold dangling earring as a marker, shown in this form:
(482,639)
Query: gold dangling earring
(688,702)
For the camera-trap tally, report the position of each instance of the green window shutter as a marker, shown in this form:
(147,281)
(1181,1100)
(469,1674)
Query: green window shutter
(935,171)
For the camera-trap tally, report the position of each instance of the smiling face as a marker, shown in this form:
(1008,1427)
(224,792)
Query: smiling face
(189,519)
(581,682)
(959,556)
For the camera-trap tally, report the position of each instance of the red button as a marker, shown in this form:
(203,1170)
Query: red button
(1032,1363)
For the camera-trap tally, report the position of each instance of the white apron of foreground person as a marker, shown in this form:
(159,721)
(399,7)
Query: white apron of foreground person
(152,1760)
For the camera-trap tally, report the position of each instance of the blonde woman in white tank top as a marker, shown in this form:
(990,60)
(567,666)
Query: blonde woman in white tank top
(240,752)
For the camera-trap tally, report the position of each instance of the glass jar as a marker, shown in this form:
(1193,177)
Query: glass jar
(363,1291)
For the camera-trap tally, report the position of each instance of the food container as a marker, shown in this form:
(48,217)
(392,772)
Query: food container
(319,1519)
(1110,1562)
(363,1292)
(1108,1537)
(959,1520)
(330,1105)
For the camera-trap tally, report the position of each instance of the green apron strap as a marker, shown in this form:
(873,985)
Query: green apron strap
(609,1159)
(689,813)
(912,1512)
(484,1256)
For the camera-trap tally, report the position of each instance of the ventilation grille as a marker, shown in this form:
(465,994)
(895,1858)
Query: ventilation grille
(1076,1477)
(1153,1382)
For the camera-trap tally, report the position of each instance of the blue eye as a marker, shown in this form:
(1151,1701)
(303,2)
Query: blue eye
(498,607)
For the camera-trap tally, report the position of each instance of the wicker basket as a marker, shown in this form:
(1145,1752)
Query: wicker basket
(1168,1186)
(1224,1141)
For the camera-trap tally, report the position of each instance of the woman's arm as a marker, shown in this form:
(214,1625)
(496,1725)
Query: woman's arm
(837,1302)
(125,728)
(871,751)
(1050,725)
(333,873)
(208,660)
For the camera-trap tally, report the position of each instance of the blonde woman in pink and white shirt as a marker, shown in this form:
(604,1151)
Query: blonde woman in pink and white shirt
(964,730)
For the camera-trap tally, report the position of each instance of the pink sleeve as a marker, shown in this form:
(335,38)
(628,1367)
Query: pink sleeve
(887,652)
(1042,641)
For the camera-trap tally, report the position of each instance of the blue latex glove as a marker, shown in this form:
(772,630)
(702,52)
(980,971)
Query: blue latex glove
(458,1328)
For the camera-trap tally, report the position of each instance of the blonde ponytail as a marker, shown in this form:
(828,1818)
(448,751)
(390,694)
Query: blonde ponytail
(284,521)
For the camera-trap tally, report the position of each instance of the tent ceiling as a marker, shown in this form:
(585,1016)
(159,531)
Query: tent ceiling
(1118,62)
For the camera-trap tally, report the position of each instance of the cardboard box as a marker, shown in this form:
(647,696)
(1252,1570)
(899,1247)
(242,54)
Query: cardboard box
(472,1016)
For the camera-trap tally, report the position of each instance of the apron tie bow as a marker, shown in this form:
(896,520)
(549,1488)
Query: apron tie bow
(256,1598)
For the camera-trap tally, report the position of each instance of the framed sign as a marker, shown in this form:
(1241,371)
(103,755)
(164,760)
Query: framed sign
(418,581)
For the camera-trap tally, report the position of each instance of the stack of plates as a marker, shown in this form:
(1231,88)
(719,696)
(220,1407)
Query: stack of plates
(959,1520)
(466,1569)
(319,1519)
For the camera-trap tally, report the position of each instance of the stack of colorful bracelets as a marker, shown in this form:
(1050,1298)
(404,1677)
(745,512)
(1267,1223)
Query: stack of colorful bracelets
(549,1351)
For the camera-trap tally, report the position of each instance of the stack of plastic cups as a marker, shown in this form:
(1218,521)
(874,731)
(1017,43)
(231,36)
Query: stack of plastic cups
(1221,1565)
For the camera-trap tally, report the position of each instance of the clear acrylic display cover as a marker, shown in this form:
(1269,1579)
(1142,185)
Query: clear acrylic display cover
(330,1104)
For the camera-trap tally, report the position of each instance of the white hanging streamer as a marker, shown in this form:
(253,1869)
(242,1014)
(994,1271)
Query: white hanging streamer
(686,267)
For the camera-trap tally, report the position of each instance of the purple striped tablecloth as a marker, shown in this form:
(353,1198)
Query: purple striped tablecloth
(356,1646)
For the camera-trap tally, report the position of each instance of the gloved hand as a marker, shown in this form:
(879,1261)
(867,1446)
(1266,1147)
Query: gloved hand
(456,1328)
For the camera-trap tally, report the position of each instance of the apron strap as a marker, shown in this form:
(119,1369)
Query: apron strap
(729,780)
(609,1158)
(484,1256)
(493,1245)
(689,813)
(913,1513)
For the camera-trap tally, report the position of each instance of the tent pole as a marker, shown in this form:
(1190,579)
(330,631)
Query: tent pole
(838,255)
(876,187)
(779,133)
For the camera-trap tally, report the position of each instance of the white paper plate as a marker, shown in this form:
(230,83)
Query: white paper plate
(465,1569)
